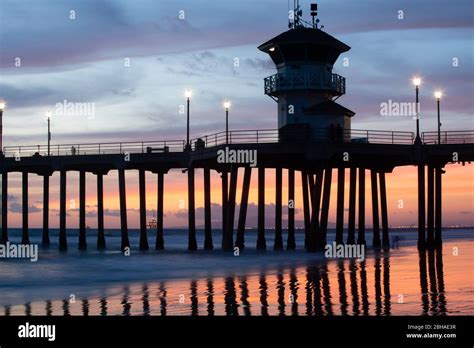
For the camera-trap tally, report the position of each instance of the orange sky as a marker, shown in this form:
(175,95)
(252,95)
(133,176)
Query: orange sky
(458,197)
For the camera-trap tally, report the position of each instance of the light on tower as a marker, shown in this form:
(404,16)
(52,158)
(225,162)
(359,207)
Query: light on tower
(438,94)
(188,93)
(416,81)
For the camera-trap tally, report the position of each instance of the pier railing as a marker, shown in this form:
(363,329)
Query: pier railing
(95,148)
(448,137)
(260,136)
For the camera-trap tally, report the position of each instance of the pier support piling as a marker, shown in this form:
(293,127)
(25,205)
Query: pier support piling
(291,243)
(376,242)
(278,243)
(225,200)
(45,241)
(240,240)
(340,206)
(384,211)
(123,210)
(431,208)
(192,242)
(143,228)
(315,207)
(361,224)
(325,206)
(261,242)
(352,205)
(229,236)
(160,242)
(62,211)
(4,236)
(25,238)
(306,210)
(100,212)
(421,208)
(208,245)
(438,207)
(82,211)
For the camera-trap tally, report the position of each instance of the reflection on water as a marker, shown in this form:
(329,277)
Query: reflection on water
(343,287)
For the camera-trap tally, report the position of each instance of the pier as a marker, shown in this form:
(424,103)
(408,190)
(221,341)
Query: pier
(315,140)
(314,161)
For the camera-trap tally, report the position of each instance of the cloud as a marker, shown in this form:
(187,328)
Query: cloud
(18,208)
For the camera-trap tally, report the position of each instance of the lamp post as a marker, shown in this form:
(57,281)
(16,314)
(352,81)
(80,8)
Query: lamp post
(48,117)
(438,95)
(227,106)
(417,82)
(188,95)
(2,107)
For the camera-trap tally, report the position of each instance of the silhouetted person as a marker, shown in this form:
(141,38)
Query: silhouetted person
(73,150)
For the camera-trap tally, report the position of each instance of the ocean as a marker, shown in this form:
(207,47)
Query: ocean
(401,281)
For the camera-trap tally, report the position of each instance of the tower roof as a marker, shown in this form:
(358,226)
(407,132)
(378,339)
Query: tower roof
(329,107)
(305,36)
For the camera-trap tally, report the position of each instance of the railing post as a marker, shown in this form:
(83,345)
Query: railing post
(257,136)
(392,137)
(367,136)
(120,148)
(142,146)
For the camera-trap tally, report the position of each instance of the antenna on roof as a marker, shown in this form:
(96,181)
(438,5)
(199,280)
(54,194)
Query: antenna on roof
(314,14)
(295,15)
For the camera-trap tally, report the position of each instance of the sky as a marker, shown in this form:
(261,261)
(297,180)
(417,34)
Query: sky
(133,60)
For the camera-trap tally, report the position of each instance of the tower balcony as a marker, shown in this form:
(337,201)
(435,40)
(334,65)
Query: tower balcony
(332,83)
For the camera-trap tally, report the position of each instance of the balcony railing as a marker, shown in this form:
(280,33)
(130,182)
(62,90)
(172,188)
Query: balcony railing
(285,82)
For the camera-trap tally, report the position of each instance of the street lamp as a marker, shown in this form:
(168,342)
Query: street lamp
(438,95)
(227,106)
(2,107)
(417,82)
(48,117)
(188,95)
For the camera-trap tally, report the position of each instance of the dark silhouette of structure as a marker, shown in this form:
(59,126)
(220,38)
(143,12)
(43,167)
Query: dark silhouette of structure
(314,137)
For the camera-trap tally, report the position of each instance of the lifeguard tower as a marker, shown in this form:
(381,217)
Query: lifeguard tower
(304,86)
